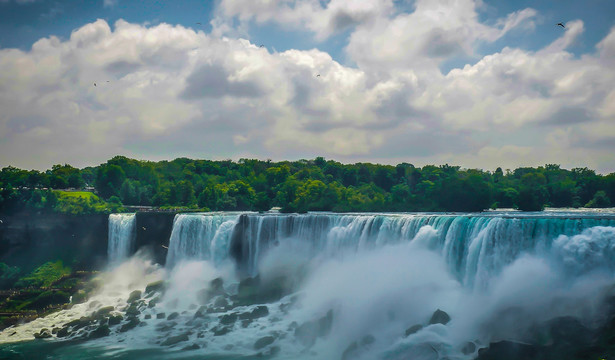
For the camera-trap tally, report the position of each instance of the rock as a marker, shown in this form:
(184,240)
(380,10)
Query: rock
(133,310)
(256,313)
(413,329)
(173,316)
(153,287)
(161,315)
(152,303)
(191,347)
(101,331)
(63,332)
(79,323)
(200,312)
(148,316)
(217,285)
(134,296)
(221,330)
(439,317)
(115,319)
(103,311)
(174,340)
(131,324)
(262,342)
(166,326)
(43,334)
(468,348)
(221,302)
(228,319)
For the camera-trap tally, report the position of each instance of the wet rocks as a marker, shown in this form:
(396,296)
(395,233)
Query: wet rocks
(439,317)
(264,341)
(174,340)
(228,319)
(43,334)
(173,316)
(130,324)
(154,287)
(101,331)
(161,315)
(134,296)
(413,329)
(166,326)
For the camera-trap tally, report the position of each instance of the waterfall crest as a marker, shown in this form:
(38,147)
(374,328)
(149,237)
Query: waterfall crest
(474,246)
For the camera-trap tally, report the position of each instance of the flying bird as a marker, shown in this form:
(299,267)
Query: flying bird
(143,227)
(94,84)
(318,75)
(560,24)
(261,45)
(166,247)
(199,24)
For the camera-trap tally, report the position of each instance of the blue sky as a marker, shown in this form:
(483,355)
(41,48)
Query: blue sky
(473,83)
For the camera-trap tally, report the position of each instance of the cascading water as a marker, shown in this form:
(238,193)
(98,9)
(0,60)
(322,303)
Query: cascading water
(201,237)
(121,237)
(348,286)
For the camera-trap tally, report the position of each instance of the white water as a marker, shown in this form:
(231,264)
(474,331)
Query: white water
(121,237)
(495,275)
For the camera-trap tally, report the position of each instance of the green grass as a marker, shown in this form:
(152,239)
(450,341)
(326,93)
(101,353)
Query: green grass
(44,275)
(77,194)
(83,202)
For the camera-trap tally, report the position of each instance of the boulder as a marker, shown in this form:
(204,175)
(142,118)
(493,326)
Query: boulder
(101,331)
(43,334)
(130,324)
(228,319)
(173,316)
(174,340)
(439,317)
(154,287)
(264,341)
(134,296)
(413,329)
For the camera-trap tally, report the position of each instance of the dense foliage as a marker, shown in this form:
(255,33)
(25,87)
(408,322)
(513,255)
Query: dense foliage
(304,185)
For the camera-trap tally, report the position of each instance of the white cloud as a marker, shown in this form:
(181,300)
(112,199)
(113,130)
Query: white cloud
(109,3)
(165,91)
(321,18)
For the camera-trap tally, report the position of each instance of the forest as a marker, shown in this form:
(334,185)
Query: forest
(297,186)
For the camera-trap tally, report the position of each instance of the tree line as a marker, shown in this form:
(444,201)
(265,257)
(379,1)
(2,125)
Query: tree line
(304,185)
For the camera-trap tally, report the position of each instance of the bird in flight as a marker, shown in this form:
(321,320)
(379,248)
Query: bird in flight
(199,24)
(560,24)
(94,84)
(261,45)
(318,75)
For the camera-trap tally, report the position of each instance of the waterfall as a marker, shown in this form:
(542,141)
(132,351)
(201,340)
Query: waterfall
(121,237)
(474,246)
(201,237)
(347,286)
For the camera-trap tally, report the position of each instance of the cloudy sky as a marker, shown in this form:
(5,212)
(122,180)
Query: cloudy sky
(473,83)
